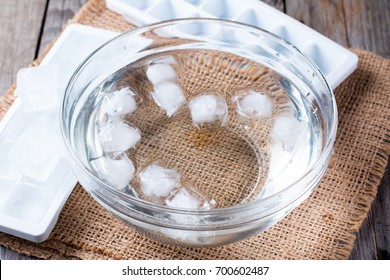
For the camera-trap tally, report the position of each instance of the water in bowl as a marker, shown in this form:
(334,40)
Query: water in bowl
(199,129)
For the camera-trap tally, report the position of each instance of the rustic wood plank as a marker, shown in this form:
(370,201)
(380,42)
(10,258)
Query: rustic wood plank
(368,24)
(20,23)
(373,239)
(381,210)
(365,245)
(367,28)
(59,12)
(7,254)
(325,16)
(278,4)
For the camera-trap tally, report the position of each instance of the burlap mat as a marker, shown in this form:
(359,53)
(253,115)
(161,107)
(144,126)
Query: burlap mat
(323,227)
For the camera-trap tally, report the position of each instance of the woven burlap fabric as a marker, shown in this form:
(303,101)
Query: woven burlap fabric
(323,227)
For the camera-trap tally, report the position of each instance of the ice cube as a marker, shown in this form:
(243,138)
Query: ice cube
(208,109)
(28,203)
(287,130)
(186,200)
(119,102)
(183,199)
(119,172)
(166,59)
(20,120)
(36,153)
(169,97)
(118,136)
(286,166)
(61,176)
(277,179)
(38,87)
(157,181)
(160,72)
(188,236)
(253,105)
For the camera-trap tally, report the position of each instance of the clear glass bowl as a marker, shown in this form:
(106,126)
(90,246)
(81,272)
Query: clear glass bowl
(219,52)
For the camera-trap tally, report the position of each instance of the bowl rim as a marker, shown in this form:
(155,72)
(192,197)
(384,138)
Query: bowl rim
(325,153)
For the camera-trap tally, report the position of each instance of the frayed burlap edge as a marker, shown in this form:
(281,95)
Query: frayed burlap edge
(363,206)
(344,248)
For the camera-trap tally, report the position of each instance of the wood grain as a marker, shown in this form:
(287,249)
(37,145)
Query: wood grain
(6,254)
(18,41)
(373,240)
(278,4)
(59,12)
(368,24)
(325,16)
(382,218)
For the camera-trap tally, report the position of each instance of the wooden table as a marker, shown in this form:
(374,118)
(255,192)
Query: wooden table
(28,26)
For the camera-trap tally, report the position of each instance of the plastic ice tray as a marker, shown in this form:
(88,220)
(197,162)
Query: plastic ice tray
(335,62)
(30,205)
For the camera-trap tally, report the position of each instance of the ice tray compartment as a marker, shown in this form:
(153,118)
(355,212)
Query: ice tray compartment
(22,120)
(335,62)
(168,9)
(28,202)
(223,9)
(141,5)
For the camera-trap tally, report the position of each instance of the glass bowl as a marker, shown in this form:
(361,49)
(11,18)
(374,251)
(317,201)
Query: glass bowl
(199,132)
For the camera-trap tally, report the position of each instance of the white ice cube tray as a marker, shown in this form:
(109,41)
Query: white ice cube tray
(335,62)
(33,193)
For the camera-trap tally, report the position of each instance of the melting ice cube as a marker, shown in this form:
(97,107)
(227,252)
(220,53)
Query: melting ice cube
(278,179)
(168,96)
(166,59)
(286,166)
(119,102)
(36,153)
(157,181)
(118,171)
(253,105)
(287,130)
(183,199)
(38,87)
(186,200)
(208,108)
(188,236)
(160,72)
(119,136)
